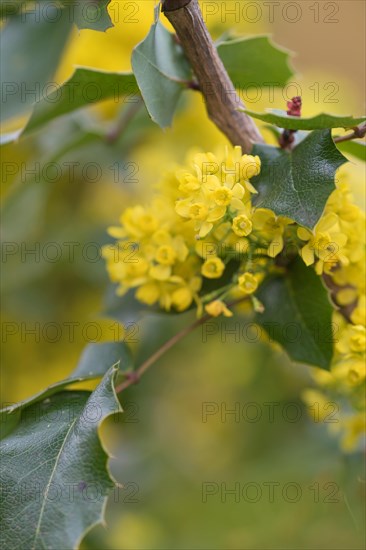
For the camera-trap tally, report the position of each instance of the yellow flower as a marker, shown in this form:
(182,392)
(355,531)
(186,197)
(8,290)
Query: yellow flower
(217,307)
(358,315)
(354,427)
(166,255)
(136,222)
(248,283)
(244,167)
(271,228)
(188,182)
(346,296)
(148,293)
(325,243)
(352,340)
(250,166)
(242,226)
(207,248)
(196,211)
(222,196)
(349,372)
(129,271)
(182,298)
(338,246)
(218,188)
(213,268)
(357,372)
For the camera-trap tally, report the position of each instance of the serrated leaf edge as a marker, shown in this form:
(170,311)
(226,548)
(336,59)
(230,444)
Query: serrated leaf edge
(118,410)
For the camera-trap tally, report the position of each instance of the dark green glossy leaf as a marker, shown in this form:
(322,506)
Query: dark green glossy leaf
(319,122)
(54,473)
(255,62)
(94,362)
(297,184)
(298,315)
(162,72)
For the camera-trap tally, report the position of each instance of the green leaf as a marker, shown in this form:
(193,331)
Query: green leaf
(31,47)
(354,148)
(87,14)
(297,184)
(10,7)
(97,358)
(54,471)
(298,315)
(94,362)
(85,87)
(162,73)
(255,62)
(318,122)
(90,14)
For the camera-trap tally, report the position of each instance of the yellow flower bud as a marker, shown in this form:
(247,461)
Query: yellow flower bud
(217,307)
(242,225)
(165,255)
(248,283)
(182,298)
(213,268)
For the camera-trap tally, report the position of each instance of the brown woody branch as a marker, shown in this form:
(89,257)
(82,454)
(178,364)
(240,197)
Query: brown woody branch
(221,99)
(358,132)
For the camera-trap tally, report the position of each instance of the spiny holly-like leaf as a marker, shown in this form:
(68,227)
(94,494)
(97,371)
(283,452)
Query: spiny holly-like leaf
(298,315)
(85,87)
(255,62)
(94,362)
(31,48)
(318,122)
(162,72)
(90,14)
(54,472)
(297,184)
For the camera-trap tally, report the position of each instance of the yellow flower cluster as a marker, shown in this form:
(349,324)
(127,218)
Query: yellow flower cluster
(154,256)
(203,219)
(338,247)
(218,190)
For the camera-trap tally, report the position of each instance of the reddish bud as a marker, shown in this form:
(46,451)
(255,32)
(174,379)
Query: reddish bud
(294,106)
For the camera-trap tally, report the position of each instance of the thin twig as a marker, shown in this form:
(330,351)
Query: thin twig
(358,132)
(134,376)
(127,115)
(221,99)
